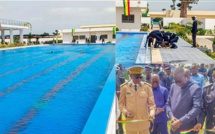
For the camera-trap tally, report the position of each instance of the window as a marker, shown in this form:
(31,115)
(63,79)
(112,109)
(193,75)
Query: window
(82,37)
(127,19)
(105,36)
(75,37)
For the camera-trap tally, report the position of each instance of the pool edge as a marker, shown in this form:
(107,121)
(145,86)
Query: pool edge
(99,119)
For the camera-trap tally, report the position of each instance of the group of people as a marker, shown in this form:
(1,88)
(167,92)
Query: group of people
(179,96)
(168,39)
(163,39)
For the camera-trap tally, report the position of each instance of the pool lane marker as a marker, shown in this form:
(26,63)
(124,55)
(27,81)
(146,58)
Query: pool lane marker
(24,121)
(31,65)
(122,37)
(10,89)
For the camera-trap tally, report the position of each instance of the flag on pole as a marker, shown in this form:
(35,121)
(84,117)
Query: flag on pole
(73,32)
(126,4)
(114,30)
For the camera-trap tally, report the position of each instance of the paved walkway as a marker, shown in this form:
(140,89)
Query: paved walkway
(204,41)
(184,54)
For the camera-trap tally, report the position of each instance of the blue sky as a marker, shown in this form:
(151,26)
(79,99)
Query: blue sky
(54,14)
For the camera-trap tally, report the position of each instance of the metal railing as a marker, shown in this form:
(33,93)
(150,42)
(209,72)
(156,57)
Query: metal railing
(12,22)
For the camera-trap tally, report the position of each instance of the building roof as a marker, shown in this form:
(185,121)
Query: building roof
(133,3)
(87,30)
(98,26)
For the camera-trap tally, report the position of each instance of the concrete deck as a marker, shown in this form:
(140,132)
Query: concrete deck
(184,54)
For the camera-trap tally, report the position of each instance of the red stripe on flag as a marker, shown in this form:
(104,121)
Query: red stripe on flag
(128,7)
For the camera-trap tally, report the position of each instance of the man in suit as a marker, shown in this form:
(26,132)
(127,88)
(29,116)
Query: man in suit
(184,103)
(194,31)
(136,102)
(160,96)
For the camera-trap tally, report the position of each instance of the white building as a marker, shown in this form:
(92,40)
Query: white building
(133,21)
(94,32)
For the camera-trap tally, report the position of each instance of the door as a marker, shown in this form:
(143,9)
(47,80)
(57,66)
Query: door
(93,38)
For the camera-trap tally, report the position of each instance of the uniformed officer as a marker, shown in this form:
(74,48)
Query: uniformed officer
(208,107)
(169,78)
(136,101)
(156,34)
(148,70)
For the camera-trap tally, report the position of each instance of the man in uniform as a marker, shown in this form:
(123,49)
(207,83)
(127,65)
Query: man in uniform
(184,103)
(169,77)
(148,71)
(156,34)
(197,76)
(160,96)
(194,31)
(210,71)
(208,108)
(136,102)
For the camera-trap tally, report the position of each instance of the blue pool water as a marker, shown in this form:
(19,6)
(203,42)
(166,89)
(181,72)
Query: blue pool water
(51,93)
(127,48)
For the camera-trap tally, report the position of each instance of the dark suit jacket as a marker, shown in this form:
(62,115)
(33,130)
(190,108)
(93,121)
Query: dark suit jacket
(194,28)
(184,104)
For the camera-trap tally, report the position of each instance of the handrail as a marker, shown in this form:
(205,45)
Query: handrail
(11,22)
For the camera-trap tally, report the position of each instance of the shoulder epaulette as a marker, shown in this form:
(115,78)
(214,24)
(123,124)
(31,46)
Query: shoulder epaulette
(147,84)
(123,84)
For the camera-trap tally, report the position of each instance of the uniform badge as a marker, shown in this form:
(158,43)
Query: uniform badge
(209,96)
(128,92)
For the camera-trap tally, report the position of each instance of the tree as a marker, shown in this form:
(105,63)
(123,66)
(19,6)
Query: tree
(45,34)
(29,38)
(184,6)
(16,40)
(173,1)
(189,7)
(163,9)
(37,39)
(179,6)
(56,33)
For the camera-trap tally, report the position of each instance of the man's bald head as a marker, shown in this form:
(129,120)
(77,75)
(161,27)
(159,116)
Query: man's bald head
(155,80)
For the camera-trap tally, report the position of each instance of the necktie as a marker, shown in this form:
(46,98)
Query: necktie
(135,87)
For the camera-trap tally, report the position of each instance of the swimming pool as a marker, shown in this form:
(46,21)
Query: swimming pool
(44,92)
(128,46)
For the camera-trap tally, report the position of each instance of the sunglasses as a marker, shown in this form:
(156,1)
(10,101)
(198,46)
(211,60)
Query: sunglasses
(139,77)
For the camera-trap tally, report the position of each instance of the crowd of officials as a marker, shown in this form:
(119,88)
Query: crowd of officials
(183,96)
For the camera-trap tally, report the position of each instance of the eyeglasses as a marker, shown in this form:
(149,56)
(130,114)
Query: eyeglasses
(178,81)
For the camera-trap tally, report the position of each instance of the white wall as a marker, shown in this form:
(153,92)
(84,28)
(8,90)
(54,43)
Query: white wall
(137,19)
(206,23)
(67,37)
(166,21)
(210,24)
